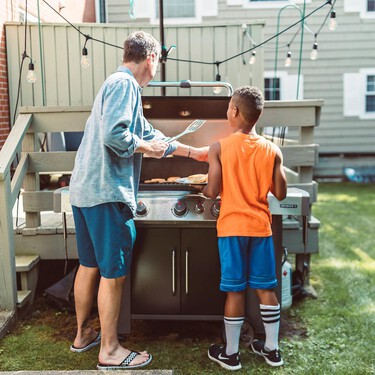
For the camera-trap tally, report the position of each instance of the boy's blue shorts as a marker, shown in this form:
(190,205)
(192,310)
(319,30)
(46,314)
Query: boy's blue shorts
(247,261)
(105,238)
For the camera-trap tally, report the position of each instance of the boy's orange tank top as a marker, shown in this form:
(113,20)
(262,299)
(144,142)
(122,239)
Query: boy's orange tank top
(247,163)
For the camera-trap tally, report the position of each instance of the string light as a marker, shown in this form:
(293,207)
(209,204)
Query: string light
(314,51)
(217,89)
(332,22)
(288,60)
(31,76)
(166,52)
(244,27)
(85,61)
(253,58)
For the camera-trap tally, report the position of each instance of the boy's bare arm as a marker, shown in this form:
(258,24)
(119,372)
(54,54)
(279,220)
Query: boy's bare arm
(212,189)
(279,183)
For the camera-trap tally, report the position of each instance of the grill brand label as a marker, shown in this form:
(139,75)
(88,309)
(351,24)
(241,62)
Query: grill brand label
(288,205)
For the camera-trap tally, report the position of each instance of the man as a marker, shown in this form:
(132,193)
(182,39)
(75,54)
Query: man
(103,191)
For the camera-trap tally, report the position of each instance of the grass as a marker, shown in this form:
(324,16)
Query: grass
(333,334)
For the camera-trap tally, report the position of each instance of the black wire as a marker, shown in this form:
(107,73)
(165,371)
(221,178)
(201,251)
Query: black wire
(24,55)
(197,61)
(77,29)
(276,35)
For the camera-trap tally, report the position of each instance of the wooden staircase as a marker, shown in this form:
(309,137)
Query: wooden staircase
(27,267)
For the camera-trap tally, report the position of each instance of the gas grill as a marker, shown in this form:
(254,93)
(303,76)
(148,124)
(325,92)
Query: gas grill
(176,271)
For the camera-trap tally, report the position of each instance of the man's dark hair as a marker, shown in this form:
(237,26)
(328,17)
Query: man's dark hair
(138,46)
(249,101)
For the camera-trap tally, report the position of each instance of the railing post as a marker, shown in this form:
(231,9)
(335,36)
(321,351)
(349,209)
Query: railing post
(8,284)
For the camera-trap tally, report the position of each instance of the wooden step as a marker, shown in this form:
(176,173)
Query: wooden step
(27,266)
(23,297)
(25,263)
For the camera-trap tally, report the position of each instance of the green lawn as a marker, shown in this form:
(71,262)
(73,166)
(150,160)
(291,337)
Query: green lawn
(334,334)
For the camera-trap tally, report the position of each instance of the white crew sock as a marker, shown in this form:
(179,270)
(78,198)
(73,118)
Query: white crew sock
(232,333)
(271,321)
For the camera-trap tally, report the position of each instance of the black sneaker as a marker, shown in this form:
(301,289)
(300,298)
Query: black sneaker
(230,362)
(273,357)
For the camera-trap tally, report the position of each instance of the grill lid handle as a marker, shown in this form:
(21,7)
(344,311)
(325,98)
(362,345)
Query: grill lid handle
(187,84)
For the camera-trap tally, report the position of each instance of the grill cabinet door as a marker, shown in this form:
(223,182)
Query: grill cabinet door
(200,273)
(155,272)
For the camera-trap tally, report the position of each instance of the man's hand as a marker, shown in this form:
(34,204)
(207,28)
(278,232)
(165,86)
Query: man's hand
(153,148)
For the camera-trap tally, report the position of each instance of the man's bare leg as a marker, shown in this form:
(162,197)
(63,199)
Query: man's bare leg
(84,289)
(109,303)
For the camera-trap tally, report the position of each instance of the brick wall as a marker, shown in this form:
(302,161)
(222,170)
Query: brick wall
(72,10)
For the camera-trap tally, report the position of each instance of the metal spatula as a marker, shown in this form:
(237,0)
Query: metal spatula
(195,125)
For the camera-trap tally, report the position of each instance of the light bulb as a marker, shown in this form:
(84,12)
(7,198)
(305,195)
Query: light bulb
(288,60)
(314,52)
(217,89)
(332,22)
(253,58)
(85,61)
(31,76)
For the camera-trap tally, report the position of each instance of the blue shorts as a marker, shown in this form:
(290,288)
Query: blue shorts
(105,238)
(247,261)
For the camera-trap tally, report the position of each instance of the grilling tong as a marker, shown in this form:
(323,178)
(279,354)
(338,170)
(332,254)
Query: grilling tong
(195,125)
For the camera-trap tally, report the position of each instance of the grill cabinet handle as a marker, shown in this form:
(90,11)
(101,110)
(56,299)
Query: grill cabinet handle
(174,272)
(187,271)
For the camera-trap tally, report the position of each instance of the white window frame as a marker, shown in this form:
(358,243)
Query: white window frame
(355,90)
(30,17)
(359,6)
(247,4)
(363,73)
(203,8)
(285,86)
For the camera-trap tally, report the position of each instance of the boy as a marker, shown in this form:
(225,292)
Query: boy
(243,168)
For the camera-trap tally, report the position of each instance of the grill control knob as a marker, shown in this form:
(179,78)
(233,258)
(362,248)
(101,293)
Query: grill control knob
(141,209)
(179,209)
(199,208)
(215,209)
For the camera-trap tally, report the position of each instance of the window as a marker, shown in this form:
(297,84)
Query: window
(283,86)
(259,4)
(176,8)
(359,94)
(366,9)
(370,94)
(22,16)
(272,88)
(176,12)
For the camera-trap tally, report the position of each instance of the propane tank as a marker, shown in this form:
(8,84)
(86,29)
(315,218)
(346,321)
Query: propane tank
(286,282)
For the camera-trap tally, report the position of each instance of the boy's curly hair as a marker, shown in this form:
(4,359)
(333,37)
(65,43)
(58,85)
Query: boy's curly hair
(249,101)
